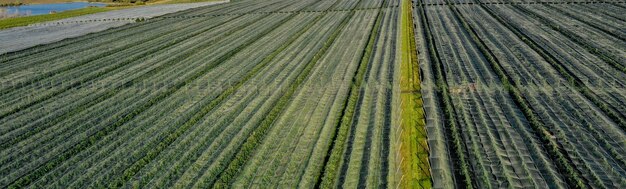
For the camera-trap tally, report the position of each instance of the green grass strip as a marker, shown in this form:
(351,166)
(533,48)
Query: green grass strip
(414,143)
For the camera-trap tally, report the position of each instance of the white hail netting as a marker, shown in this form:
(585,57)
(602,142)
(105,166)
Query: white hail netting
(439,159)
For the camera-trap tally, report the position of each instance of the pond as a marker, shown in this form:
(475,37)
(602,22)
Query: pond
(37,9)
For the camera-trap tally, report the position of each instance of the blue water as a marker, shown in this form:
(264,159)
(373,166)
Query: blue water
(37,9)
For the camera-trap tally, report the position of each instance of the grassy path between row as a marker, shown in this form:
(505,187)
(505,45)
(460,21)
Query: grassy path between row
(413,138)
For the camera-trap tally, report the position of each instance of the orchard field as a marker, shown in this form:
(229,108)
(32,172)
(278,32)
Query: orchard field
(524,94)
(325,94)
(244,94)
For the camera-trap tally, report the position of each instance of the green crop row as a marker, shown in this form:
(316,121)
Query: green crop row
(131,171)
(454,136)
(155,45)
(176,87)
(610,111)
(62,130)
(331,168)
(553,147)
(577,84)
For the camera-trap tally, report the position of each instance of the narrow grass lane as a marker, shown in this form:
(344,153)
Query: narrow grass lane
(414,146)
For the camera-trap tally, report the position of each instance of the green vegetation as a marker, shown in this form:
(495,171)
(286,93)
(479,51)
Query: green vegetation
(141,108)
(414,142)
(511,89)
(24,21)
(538,126)
(323,94)
(11,4)
(332,167)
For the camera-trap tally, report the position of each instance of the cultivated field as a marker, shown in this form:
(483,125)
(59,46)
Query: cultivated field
(526,94)
(245,94)
(323,94)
